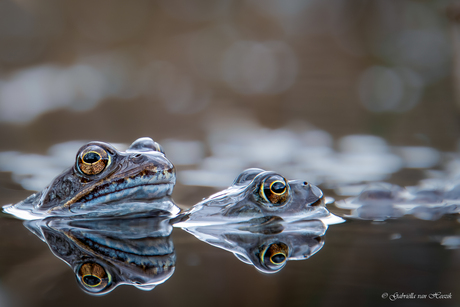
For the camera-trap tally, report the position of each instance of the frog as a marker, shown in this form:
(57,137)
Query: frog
(105,181)
(258,193)
(106,252)
(266,243)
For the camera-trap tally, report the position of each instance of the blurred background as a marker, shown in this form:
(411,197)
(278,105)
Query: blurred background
(113,71)
(339,92)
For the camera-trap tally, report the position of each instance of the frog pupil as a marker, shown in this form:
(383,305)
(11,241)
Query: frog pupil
(91,280)
(278,187)
(91,157)
(278,258)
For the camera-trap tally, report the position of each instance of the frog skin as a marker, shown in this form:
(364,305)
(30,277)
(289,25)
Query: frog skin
(105,253)
(105,181)
(257,193)
(265,243)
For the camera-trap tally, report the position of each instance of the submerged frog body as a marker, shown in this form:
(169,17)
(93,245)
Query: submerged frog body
(105,181)
(257,193)
(107,252)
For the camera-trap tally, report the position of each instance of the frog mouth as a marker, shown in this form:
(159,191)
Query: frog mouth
(136,187)
(149,184)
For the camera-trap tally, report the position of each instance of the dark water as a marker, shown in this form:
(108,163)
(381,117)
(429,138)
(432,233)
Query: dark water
(359,262)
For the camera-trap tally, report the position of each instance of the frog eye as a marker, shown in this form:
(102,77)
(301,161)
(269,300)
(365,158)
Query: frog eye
(93,160)
(277,187)
(93,277)
(274,256)
(275,190)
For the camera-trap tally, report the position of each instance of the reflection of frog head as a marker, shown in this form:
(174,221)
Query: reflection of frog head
(107,253)
(101,179)
(255,193)
(265,243)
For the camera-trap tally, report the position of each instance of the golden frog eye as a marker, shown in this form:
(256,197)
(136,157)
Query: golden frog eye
(93,277)
(277,187)
(275,255)
(93,160)
(275,190)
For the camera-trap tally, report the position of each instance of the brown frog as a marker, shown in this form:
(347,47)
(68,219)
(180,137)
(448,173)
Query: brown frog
(105,181)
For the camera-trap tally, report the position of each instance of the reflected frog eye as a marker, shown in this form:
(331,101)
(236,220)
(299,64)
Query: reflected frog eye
(275,190)
(275,255)
(93,160)
(93,277)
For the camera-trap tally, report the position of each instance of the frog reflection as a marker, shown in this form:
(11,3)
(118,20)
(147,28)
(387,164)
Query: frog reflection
(257,193)
(104,181)
(105,253)
(266,243)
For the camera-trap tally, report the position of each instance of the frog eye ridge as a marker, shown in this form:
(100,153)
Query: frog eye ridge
(93,160)
(145,144)
(275,190)
(247,176)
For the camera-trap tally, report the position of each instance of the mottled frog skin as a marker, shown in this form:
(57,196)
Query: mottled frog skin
(105,181)
(105,253)
(258,193)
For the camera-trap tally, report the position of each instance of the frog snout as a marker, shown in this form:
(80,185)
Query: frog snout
(309,191)
(316,191)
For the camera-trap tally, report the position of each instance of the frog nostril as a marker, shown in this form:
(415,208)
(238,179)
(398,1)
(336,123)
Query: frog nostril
(137,158)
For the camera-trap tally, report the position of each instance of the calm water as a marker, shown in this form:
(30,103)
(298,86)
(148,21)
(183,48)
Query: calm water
(359,262)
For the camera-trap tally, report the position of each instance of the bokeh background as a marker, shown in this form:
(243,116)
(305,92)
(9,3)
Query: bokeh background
(338,92)
(113,70)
